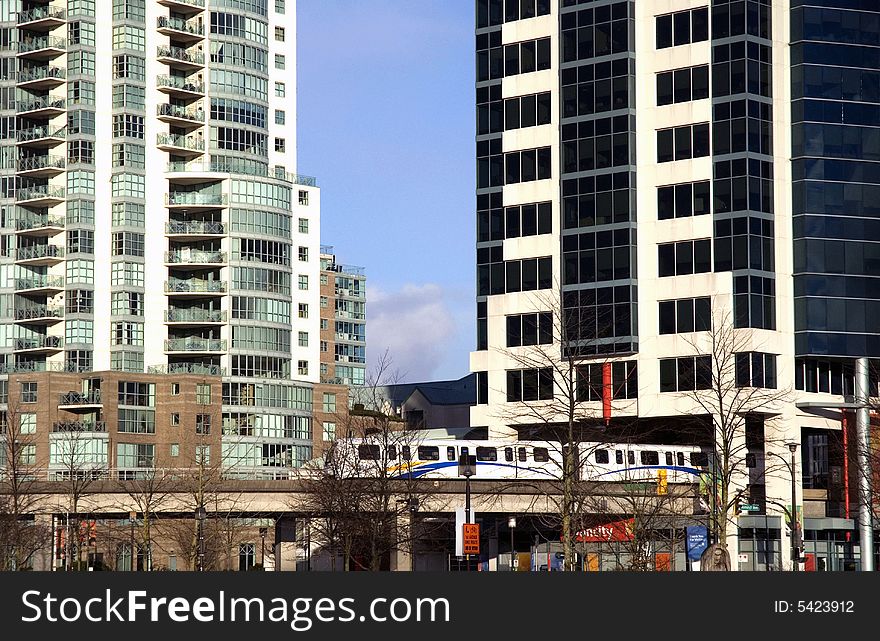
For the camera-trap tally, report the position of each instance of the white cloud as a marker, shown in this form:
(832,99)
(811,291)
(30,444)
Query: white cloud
(415,324)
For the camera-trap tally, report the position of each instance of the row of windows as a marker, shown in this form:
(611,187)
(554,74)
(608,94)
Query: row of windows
(238,54)
(685,315)
(683,200)
(239,83)
(267,395)
(128,126)
(682,143)
(596,144)
(529,329)
(260,309)
(685,374)
(512,59)
(253,192)
(737,68)
(135,394)
(127,304)
(526,166)
(735,130)
(261,338)
(129,66)
(596,200)
(257,221)
(590,89)
(252,142)
(595,32)
(738,18)
(127,273)
(127,214)
(130,96)
(258,279)
(260,366)
(230,24)
(528,274)
(530,384)
(126,333)
(591,381)
(527,111)
(371,452)
(682,28)
(683,85)
(685,257)
(592,257)
(495,12)
(246,113)
(262,251)
(755,369)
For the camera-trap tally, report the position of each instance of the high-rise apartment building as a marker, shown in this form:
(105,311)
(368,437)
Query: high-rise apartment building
(656,169)
(343,321)
(151,216)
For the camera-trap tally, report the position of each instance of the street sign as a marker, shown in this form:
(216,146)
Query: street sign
(697,541)
(750,507)
(471,538)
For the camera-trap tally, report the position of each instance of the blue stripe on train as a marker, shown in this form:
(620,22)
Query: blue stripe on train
(430,467)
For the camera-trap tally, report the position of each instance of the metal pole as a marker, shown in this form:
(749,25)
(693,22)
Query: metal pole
(512,553)
(467,514)
(794,514)
(863,436)
(131,544)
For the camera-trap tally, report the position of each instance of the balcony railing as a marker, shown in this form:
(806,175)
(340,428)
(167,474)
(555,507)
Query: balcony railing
(194,198)
(42,73)
(92,397)
(179,53)
(39,311)
(177,111)
(197,286)
(39,192)
(39,251)
(44,42)
(178,24)
(192,3)
(35,133)
(39,222)
(32,163)
(195,256)
(178,140)
(195,315)
(79,426)
(40,13)
(226,167)
(42,342)
(195,344)
(206,369)
(44,282)
(48,102)
(194,227)
(184,84)
(35,366)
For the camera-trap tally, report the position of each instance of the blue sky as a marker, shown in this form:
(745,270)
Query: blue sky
(386,123)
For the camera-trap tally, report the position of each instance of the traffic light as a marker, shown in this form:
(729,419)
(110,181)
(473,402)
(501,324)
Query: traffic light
(662,488)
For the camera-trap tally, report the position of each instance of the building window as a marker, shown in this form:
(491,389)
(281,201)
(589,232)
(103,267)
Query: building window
(27,423)
(682,143)
(303,197)
(756,369)
(686,257)
(280,145)
(304,225)
(324,346)
(175,389)
(246,556)
(682,201)
(530,384)
(329,403)
(203,424)
(302,368)
(682,28)
(29,392)
(683,85)
(303,254)
(175,449)
(303,281)
(329,431)
(279,6)
(325,324)
(280,116)
(303,339)
(324,301)
(685,374)
(529,329)
(280,90)
(280,62)
(324,369)
(685,315)
(303,310)
(279,34)
(175,419)
(203,394)
(203,454)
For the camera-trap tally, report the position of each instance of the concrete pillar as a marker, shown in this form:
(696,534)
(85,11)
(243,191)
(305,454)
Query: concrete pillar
(863,450)
(401,559)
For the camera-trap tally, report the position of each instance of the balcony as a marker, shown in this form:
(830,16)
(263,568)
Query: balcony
(205,369)
(41,78)
(195,344)
(180,30)
(194,229)
(40,166)
(80,401)
(45,107)
(39,315)
(40,196)
(180,58)
(192,257)
(40,226)
(40,345)
(195,288)
(194,316)
(185,7)
(48,285)
(179,145)
(39,255)
(79,426)
(42,48)
(194,200)
(42,137)
(180,116)
(180,87)
(41,18)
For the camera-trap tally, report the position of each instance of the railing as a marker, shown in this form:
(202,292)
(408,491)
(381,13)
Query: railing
(53,282)
(350,359)
(44,42)
(346,269)
(43,342)
(350,293)
(195,344)
(195,315)
(42,73)
(39,251)
(183,84)
(39,311)
(37,366)
(225,167)
(42,191)
(30,163)
(205,369)
(179,53)
(195,256)
(178,24)
(35,133)
(210,286)
(40,13)
(48,102)
(92,397)
(39,223)
(177,111)
(194,227)
(194,198)
(355,338)
(192,3)
(79,426)
(178,140)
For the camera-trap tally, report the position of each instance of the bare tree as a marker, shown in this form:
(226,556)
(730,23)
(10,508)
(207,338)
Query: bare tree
(148,491)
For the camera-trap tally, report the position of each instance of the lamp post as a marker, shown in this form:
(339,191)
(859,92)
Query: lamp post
(795,529)
(467,467)
(263,532)
(132,517)
(511,523)
(201,513)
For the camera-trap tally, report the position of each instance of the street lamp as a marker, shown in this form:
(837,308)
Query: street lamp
(795,530)
(201,514)
(511,523)
(132,517)
(467,467)
(263,532)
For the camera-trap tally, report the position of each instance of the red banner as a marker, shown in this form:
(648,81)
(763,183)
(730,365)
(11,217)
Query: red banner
(607,533)
(606,392)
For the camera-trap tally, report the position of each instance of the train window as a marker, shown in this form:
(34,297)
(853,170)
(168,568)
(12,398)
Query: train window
(450,453)
(429,453)
(679,457)
(404,452)
(368,452)
(601,456)
(392,452)
(650,457)
(668,458)
(463,452)
(630,458)
(700,459)
(521,454)
(508,454)
(618,457)
(540,455)
(487,454)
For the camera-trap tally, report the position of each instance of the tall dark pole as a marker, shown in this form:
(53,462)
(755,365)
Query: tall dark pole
(511,522)
(467,467)
(200,520)
(132,516)
(795,529)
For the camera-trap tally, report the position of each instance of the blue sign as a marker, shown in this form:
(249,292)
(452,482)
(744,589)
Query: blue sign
(697,541)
